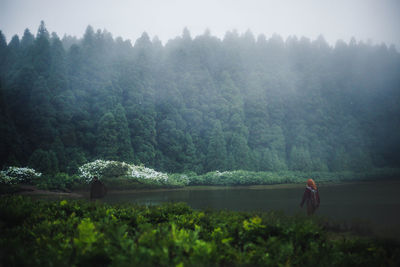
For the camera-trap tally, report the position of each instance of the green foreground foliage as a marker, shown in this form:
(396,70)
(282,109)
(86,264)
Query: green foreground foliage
(78,233)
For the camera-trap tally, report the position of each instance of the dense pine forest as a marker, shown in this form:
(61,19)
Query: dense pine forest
(198,104)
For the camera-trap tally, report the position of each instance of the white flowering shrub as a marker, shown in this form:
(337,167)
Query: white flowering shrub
(103,168)
(18,175)
(4,179)
(142,172)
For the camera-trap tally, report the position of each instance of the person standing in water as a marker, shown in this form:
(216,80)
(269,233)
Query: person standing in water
(97,189)
(310,197)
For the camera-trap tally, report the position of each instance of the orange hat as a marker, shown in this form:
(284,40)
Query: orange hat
(311,183)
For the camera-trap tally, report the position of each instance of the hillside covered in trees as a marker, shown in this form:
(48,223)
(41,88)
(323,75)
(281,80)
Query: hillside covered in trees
(198,104)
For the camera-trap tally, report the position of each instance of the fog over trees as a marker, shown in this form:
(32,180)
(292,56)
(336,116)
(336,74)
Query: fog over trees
(198,104)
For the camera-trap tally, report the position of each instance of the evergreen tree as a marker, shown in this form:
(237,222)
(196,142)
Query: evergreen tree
(13,53)
(240,152)
(271,161)
(41,52)
(107,137)
(8,133)
(216,153)
(41,126)
(3,44)
(189,151)
(3,54)
(300,159)
(44,161)
(27,40)
(125,151)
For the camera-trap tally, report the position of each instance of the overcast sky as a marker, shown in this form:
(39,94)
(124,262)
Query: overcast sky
(375,20)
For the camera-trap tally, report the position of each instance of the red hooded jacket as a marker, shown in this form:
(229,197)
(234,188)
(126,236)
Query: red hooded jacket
(308,195)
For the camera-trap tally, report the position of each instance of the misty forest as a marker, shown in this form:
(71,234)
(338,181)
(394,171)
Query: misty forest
(231,126)
(199,104)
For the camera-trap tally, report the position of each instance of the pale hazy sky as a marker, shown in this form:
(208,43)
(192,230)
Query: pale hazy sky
(375,20)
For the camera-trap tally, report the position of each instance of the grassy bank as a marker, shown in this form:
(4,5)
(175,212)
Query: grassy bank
(77,233)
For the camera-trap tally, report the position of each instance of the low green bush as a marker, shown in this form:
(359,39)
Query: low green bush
(241,177)
(124,183)
(59,181)
(78,233)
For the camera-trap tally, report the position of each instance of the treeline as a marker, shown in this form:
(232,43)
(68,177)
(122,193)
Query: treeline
(198,104)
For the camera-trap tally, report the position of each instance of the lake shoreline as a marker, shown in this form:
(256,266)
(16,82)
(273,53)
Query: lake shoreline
(29,190)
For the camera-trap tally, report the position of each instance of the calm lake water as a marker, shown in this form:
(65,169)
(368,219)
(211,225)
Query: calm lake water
(374,203)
